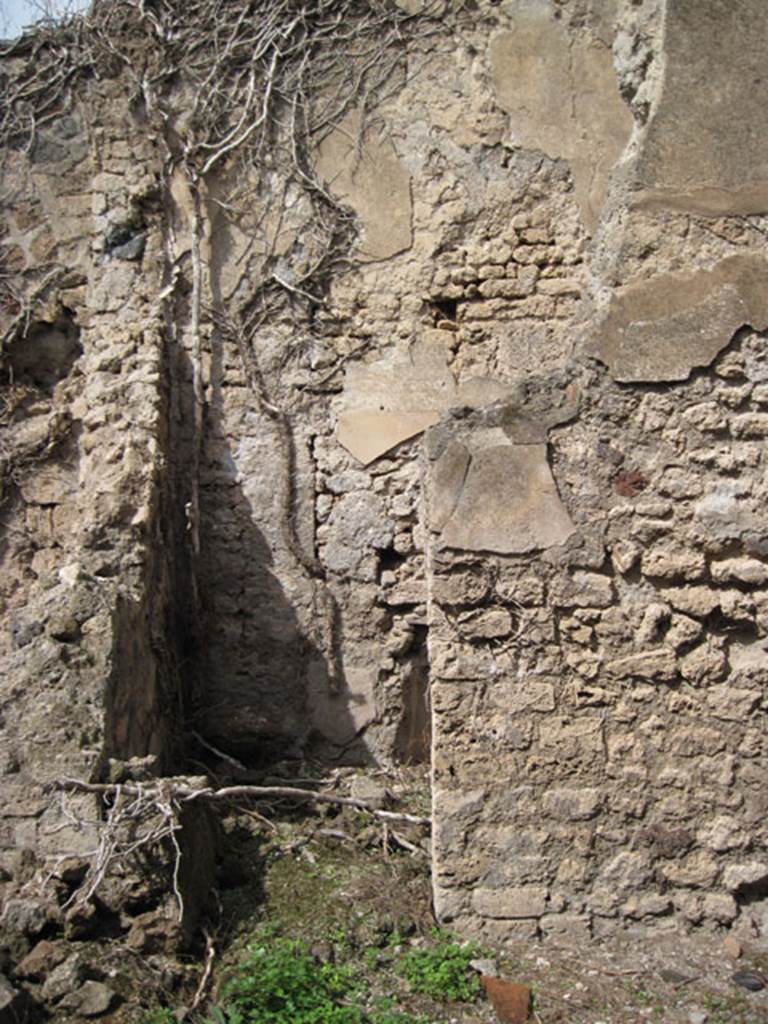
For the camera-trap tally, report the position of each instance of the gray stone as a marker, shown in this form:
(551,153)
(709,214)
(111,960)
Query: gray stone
(357,526)
(487,967)
(24,916)
(669,562)
(698,1017)
(582,590)
(737,877)
(15,1005)
(133,249)
(348,480)
(90,1000)
(743,570)
(626,872)
(657,666)
(733,703)
(486,624)
(64,978)
(720,907)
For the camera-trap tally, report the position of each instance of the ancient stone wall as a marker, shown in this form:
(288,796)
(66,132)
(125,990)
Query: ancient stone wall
(93,642)
(484,486)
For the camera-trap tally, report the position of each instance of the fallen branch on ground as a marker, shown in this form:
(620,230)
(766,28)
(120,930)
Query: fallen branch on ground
(165,790)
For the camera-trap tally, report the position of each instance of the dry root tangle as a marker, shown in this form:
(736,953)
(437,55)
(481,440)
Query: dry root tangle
(139,817)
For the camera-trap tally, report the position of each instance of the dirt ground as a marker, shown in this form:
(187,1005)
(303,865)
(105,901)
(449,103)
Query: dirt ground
(675,979)
(343,874)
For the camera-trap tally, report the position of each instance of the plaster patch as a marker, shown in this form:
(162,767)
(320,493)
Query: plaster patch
(394,399)
(661,328)
(507,503)
(563,98)
(706,147)
(369,176)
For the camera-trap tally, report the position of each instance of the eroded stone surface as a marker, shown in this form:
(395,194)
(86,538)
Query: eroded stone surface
(594,644)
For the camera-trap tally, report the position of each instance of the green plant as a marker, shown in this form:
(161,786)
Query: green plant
(279,982)
(385,1011)
(441,971)
(158,1016)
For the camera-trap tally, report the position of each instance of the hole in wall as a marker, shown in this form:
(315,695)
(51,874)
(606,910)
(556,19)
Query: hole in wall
(413,739)
(389,560)
(446,309)
(46,354)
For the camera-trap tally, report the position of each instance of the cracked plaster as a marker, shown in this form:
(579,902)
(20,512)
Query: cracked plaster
(539,72)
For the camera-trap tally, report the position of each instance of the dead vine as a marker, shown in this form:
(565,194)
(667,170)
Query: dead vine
(139,816)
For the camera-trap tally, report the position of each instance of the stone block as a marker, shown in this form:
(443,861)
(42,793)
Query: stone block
(720,907)
(657,666)
(518,696)
(566,926)
(559,286)
(572,804)
(706,663)
(582,737)
(741,570)
(699,869)
(486,624)
(503,288)
(582,590)
(525,590)
(626,872)
(737,877)
(460,588)
(682,631)
(673,563)
(733,704)
(510,902)
(749,425)
(649,905)
(696,601)
(723,834)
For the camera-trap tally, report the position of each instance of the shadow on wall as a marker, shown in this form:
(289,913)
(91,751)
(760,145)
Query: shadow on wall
(262,677)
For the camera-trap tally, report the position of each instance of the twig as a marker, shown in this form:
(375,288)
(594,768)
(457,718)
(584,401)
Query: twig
(210,956)
(238,765)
